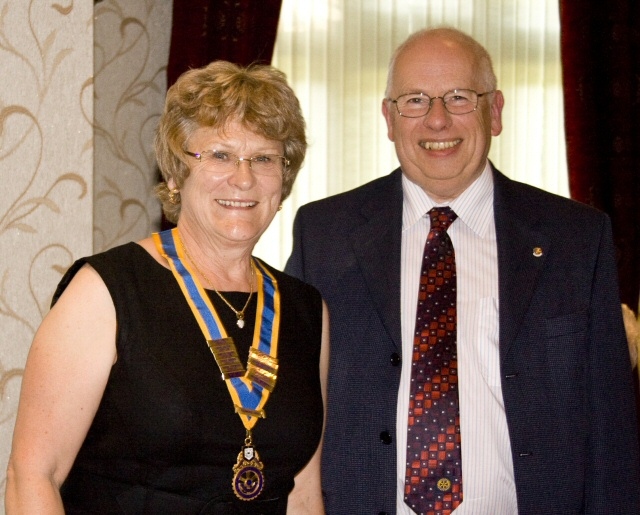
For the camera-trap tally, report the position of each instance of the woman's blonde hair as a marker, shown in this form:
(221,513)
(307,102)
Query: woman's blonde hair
(256,96)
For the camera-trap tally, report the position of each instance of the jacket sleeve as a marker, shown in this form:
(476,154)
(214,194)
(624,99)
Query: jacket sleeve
(295,263)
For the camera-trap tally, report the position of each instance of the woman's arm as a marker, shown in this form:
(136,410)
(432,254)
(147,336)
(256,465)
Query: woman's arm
(64,379)
(306,496)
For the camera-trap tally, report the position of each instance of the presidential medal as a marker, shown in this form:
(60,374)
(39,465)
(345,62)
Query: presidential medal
(249,388)
(248,479)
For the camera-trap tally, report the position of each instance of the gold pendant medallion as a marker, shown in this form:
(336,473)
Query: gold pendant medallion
(248,479)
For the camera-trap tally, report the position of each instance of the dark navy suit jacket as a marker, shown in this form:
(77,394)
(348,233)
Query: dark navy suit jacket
(566,375)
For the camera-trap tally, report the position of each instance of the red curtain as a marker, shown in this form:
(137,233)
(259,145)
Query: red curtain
(601,72)
(240,31)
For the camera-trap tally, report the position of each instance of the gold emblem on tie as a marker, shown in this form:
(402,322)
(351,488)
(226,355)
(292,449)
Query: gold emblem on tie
(444,484)
(537,252)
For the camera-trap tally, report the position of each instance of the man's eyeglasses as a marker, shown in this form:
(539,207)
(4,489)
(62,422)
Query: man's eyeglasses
(457,101)
(221,161)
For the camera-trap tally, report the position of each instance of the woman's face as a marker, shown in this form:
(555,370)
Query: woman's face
(229,205)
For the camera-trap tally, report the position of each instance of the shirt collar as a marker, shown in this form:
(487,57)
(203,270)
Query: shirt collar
(474,206)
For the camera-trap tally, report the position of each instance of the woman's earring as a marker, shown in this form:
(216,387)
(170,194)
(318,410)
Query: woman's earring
(174,196)
(280,207)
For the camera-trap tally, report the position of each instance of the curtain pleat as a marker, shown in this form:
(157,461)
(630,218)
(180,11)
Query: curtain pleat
(601,62)
(240,31)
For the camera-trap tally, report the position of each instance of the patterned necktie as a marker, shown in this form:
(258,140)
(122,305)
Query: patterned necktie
(433,482)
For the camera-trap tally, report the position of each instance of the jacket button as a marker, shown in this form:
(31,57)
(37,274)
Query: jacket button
(385,437)
(395,359)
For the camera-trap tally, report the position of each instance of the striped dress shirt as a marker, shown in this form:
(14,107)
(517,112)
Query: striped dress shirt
(487,467)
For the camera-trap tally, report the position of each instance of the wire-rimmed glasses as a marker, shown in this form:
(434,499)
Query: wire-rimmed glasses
(456,101)
(223,161)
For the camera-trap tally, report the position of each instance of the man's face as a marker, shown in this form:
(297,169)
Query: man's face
(441,152)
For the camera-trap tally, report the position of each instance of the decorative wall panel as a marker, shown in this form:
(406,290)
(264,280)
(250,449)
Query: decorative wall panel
(131,53)
(76,162)
(46,159)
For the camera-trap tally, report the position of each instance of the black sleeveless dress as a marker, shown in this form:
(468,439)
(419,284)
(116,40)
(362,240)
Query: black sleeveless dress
(165,437)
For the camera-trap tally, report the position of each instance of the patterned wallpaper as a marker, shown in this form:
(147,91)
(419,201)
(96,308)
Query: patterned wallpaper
(131,53)
(81,88)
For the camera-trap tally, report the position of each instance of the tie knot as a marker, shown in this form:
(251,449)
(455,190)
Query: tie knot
(441,217)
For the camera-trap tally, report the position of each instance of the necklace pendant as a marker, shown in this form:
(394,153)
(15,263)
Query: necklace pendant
(240,316)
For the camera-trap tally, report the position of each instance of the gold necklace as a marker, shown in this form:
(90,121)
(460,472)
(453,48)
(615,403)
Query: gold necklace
(240,313)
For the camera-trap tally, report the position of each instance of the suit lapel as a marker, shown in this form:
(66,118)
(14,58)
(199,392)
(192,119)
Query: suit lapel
(377,246)
(522,253)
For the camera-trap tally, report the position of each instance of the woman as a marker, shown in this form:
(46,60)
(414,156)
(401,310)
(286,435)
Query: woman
(180,374)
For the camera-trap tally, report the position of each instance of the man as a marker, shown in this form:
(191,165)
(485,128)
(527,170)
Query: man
(546,419)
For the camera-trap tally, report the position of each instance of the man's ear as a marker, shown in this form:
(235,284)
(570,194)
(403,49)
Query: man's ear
(388,116)
(496,113)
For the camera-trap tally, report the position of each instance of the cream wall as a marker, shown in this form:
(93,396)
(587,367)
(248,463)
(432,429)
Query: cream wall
(81,87)
(131,50)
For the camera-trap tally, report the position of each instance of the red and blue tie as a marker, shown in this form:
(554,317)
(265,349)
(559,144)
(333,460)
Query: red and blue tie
(433,483)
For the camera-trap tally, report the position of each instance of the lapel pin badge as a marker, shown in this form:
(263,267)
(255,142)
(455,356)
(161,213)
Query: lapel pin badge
(537,252)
